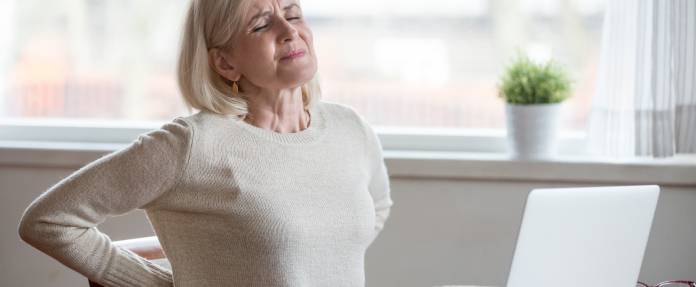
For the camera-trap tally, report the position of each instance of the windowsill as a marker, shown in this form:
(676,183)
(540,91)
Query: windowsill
(676,171)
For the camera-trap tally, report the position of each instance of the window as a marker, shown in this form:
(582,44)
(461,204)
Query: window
(91,59)
(402,63)
(436,65)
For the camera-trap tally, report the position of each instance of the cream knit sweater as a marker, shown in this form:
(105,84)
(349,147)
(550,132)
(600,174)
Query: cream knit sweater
(232,204)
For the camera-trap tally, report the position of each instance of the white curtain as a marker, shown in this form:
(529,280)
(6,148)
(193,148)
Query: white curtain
(645,103)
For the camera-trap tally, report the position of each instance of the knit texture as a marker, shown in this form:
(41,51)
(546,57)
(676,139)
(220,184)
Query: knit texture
(231,203)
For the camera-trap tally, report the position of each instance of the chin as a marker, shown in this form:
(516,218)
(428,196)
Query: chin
(301,77)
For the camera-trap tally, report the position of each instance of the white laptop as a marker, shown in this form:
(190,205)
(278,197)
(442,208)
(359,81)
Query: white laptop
(592,236)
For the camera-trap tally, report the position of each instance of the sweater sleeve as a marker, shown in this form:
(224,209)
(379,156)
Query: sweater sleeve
(62,221)
(379,185)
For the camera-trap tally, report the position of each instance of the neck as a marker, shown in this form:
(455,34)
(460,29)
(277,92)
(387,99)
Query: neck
(281,112)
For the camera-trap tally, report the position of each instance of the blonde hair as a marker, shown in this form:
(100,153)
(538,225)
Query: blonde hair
(210,24)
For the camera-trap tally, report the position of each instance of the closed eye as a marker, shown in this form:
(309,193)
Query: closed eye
(260,28)
(257,29)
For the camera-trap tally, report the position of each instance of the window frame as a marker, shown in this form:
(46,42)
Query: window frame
(87,132)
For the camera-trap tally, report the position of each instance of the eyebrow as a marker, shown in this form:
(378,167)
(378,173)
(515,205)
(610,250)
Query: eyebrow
(267,13)
(291,6)
(262,14)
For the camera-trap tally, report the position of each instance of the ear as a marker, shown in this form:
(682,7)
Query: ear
(220,62)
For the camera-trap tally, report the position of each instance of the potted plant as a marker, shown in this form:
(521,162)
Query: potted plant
(533,93)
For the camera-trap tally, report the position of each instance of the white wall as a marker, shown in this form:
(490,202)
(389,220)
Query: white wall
(440,232)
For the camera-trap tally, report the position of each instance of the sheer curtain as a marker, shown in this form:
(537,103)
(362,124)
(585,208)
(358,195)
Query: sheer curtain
(645,104)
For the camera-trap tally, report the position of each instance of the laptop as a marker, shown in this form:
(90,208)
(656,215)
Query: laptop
(590,236)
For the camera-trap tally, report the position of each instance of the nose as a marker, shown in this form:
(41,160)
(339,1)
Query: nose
(289,32)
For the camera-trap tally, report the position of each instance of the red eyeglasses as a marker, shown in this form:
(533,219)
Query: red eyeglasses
(673,283)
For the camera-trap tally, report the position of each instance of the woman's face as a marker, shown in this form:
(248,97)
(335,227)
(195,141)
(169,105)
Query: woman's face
(274,49)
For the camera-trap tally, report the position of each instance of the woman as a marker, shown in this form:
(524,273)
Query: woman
(264,186)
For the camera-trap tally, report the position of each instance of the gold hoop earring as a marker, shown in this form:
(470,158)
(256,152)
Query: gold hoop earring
(235,89)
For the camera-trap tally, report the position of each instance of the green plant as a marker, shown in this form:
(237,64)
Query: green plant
(525,82)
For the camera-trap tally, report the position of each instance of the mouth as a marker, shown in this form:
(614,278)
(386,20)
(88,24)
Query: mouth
(294,54)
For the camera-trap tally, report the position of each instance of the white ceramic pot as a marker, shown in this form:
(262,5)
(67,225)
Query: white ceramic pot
(532,130)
